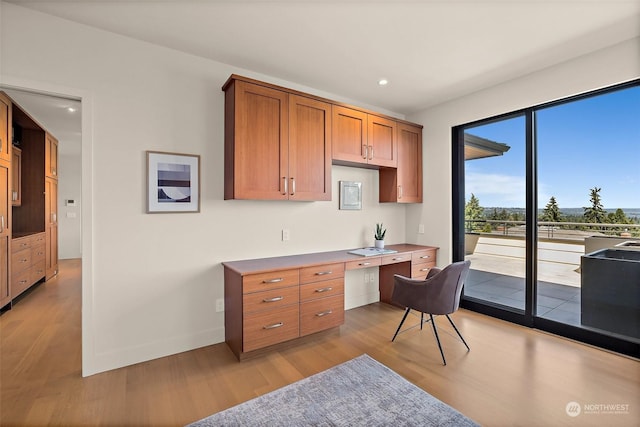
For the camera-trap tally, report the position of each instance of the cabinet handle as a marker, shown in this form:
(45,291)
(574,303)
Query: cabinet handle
(279,279)
(364,263)
(23,260)
(399,191)
(1,223)
(54,172)
(22,282)
(370,152)
(14,196)
(53,217)
(323,273)
(400,258)
(324,289)
(275,325)
(324,313)
(425,257)
(286,185)
(364,151)
(274,299)
(293,186)
(425,269)
(0,144)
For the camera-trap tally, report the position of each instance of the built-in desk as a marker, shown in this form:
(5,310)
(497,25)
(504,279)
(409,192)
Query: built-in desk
(273,300)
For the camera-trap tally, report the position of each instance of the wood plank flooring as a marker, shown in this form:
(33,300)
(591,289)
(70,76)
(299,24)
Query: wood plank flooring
(513,376)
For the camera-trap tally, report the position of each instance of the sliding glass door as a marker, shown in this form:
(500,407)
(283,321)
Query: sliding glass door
(547,207)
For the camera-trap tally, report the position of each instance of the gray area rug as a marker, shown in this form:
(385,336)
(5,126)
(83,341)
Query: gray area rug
(360,392)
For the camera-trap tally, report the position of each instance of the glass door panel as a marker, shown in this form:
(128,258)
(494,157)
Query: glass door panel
(495,212)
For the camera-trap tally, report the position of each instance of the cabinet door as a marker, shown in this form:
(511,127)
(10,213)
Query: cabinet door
(51,227)
(382,142)
(309,149)
(5,128)
(409,164)
(5,234)
(51,157)
(16,176)
(349,135)
(259,143)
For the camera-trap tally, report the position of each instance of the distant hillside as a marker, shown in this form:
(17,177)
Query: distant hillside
(630,212)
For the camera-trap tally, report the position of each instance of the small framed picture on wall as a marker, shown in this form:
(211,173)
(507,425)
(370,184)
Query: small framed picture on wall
(173,182)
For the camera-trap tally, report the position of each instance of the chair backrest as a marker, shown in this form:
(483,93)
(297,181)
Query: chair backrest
(439,294)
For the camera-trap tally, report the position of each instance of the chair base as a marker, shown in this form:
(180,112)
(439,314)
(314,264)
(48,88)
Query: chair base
(435,331)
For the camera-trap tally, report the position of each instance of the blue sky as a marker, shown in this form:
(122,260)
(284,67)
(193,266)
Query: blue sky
(594,142)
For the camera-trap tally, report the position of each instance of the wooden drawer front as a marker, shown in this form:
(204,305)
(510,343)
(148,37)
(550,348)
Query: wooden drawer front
(321,314)
(37,253)
(20,261)
(264,281)
(326,288)
(363,263)
(37,239)
(271,299)
(420,271)
(20,244)
(394,258)
(37,271)
(321,272)
(422,257)
(20,282)
(270,327)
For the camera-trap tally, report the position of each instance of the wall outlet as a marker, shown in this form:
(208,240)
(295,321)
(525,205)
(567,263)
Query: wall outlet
(421,229)
(219,305)
(285,234)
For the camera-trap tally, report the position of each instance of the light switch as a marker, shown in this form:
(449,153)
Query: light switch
(421,229)
(285,234)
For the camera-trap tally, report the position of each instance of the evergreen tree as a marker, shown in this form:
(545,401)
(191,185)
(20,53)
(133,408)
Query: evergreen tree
(473,211)
(619,217)
(552,211)
(595,213)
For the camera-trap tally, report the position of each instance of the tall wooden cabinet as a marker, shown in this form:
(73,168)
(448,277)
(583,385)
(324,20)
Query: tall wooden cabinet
(404,183)
(277,144)
(5,199)
(51,226)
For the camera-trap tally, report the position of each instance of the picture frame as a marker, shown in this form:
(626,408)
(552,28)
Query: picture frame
(350,195)
(173,182)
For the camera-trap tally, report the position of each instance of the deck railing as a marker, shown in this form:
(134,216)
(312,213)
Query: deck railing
(552,230)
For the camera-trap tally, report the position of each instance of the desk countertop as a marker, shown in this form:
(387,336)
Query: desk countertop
(264,265)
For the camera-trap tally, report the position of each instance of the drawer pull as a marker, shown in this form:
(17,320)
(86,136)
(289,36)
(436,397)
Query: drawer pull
(400,258)
(274,299)
(23,260)
(24,245)
(23,282)
(323,273)
(324,289)
(324,313)
(279,279)
(425,257)
(364,263)
(275,325)
(425,269)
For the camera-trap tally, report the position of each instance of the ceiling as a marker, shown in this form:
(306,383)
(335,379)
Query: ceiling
(431,51)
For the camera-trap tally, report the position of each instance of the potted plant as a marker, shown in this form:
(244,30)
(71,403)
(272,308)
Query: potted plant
(379,236)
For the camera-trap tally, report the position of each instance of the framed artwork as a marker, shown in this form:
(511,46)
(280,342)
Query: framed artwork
(173,182)
(350,195)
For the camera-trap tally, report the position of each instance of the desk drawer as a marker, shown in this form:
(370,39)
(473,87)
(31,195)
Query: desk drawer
(420,271)
(321,272)
(363,263)
(326,288)
(20,261)
(421,257)
(321,314)
(20,244)
(271,299)
(265,281)
(270,327)
(20,282)
(37,239)
(37,271)
(37,253)
(395,258)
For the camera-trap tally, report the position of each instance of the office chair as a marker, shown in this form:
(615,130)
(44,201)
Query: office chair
(439,293)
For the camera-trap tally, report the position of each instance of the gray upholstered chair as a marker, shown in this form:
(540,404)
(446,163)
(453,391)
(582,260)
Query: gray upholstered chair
(439,293)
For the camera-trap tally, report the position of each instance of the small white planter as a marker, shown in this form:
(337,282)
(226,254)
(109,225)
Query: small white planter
(380,244)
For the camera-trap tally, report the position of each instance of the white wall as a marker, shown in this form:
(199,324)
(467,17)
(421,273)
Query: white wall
(600,69)
(150,281)
(69,217)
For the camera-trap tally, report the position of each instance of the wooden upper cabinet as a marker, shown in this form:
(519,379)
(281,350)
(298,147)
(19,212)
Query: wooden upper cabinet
(256,142)
(309,149)
(404,184)
(349,135)
(277,144)
(5,235)
(5,127)
(363,139)
(383,142)
(51,156)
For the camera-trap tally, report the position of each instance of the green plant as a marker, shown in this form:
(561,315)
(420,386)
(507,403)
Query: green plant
(380,232)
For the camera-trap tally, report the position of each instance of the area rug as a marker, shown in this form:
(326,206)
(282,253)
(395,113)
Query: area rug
(360,392)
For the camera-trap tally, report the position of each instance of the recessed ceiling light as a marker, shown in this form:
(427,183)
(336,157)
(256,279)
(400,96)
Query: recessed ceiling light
(71,109)
(383,82)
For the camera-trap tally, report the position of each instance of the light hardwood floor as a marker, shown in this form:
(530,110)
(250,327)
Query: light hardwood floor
(513,376)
